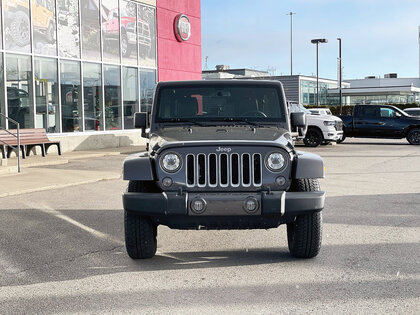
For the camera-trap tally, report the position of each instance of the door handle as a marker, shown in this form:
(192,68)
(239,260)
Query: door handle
(381,123)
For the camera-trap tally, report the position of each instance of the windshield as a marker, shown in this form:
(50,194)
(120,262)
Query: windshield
(298,108)
(214,103)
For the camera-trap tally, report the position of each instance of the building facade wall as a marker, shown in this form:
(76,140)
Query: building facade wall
(84,67)
(178,60)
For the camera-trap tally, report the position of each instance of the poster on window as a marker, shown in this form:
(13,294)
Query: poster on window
(146,31)
(68,28)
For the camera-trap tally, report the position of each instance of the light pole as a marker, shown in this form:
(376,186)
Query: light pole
(291,41)
(340,76)
(317,41)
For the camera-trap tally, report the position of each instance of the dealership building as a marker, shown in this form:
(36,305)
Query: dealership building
(82,68)
(302,89)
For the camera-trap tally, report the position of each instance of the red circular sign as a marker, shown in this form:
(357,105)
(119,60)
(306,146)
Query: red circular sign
(182,27)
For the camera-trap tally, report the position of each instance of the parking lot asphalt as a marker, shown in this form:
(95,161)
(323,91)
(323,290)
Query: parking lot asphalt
(62,250)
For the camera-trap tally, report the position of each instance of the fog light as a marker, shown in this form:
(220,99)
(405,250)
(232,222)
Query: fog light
(280,180)
(167,182)
(198,205)
(250,205)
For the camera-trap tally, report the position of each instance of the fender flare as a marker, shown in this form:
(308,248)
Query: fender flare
(308,165)
(138,167)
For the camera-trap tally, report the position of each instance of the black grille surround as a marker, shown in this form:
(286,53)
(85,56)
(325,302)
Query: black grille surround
(225,168)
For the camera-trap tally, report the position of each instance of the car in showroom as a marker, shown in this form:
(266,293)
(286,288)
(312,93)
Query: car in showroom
(220,155)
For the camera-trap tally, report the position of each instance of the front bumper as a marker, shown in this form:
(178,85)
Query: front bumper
(281,204)
(332,135)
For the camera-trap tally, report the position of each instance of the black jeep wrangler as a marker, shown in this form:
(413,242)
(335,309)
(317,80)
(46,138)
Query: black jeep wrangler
(220,155)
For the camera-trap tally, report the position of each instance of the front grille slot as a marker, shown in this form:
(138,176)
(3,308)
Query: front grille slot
(212,170)
(257,170)
(246,170)
(234,158)
(201,170)
(190,170)
(223,170)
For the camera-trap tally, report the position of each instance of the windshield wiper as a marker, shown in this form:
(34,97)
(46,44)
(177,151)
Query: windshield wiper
(191,121)
(242,120)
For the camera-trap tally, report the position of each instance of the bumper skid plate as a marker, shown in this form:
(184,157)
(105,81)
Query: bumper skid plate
(222,204)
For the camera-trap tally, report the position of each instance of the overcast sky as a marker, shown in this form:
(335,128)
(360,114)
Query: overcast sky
(378,36)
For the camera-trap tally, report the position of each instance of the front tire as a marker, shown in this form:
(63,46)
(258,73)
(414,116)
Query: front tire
(140,231)
(20,29)
(304,235)
(313,137)
(413,136)
(140,236)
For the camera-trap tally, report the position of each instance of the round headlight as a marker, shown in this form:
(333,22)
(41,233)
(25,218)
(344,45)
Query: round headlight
(275,161)
(170,162)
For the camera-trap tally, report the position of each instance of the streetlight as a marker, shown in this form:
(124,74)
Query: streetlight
(340,76)
(317,41)
(291,41)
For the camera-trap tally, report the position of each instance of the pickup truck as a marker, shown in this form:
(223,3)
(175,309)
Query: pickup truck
(322,129)
(381,121)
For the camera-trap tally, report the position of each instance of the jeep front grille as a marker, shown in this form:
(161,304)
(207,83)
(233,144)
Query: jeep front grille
(224,170)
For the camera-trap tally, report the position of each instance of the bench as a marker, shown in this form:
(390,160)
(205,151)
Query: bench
(29,138)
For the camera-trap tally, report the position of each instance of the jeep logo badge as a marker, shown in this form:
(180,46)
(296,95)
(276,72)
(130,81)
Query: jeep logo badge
(219,149)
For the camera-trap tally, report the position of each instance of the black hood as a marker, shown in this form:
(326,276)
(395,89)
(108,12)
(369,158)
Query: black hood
(229,134)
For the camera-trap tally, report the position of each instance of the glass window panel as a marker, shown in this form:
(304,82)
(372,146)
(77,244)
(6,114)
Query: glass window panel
(112,88)
(19,90)
(68,28)
(130,94)
(92,93)
(147,88)
(129,32)
(43,20)
(17,25)
(71,96)
(91,41)
(146,29)
(111,31)
(46,94)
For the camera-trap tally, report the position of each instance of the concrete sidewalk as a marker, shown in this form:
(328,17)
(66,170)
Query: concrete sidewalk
(35,176)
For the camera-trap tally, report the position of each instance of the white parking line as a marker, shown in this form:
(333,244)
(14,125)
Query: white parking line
(58,214)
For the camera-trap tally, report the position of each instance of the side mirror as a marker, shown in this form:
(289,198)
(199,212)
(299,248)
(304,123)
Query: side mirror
(398,115)
(140,122)
(298,120)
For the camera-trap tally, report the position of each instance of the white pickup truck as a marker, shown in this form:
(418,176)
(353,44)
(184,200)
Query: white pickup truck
(323,127)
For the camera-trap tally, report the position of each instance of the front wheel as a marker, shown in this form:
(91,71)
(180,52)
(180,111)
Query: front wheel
(413,136)
(304,235)
(140,236)
(140,232)
(313,138)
